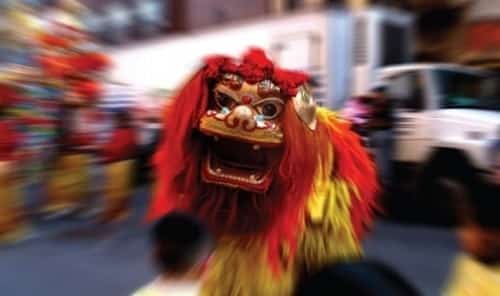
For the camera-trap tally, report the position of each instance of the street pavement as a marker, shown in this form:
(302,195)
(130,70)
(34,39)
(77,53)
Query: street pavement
(64,258)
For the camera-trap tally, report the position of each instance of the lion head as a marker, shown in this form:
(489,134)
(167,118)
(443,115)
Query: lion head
(241,150)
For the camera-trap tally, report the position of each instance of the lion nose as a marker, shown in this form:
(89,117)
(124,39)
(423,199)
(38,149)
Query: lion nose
(243,112)
(242,116)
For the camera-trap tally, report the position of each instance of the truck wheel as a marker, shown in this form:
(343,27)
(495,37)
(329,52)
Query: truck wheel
(435,199)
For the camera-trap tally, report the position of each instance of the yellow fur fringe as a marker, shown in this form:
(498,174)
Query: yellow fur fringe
(328,235)
(244,271)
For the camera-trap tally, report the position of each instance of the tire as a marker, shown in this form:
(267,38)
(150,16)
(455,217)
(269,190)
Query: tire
(435,198)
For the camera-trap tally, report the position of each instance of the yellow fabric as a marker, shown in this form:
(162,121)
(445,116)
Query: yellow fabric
(328,236)
(472,278)
(119,180)
(12,225)
(69,183)
(118,188)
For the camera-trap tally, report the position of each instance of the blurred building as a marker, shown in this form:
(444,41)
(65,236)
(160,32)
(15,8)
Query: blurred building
(440,27)
(482,35)
(121,22)
(341,50)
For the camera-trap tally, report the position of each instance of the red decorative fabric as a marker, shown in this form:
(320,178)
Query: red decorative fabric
(8,95)
(9,140)
(54,41)
(121,146)
(79,139)
(61,66)
(54,66)
(89,89)
(89,62)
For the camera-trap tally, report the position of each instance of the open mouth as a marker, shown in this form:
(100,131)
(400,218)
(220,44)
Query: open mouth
(239,165)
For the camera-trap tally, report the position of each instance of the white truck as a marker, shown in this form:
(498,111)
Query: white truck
(446,118)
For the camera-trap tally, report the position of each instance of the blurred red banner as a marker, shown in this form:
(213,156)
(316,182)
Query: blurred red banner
(483,37)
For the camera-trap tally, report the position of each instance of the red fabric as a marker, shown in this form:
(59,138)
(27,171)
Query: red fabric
(178,155)
(89,62)
(8,95)
(38,121)
(9,140)
(54,41)
(121,146)
(79,139)
(54,66)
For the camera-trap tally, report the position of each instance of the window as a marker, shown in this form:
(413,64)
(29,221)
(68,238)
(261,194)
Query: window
(463,90)
(395,44)
(407,91)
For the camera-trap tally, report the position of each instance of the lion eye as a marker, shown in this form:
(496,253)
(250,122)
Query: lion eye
(270,109)
(224,101)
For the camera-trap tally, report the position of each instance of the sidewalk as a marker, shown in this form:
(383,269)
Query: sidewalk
(53,262)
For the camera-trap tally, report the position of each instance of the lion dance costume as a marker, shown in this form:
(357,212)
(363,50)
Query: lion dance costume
(285,186)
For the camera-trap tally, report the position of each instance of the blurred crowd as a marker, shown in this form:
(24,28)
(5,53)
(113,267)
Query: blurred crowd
(78,166)
(55,134)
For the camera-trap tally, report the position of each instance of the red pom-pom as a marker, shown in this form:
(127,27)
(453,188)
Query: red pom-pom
(252,73)
(215,64)
(255,67)
(289,81)
(258,59)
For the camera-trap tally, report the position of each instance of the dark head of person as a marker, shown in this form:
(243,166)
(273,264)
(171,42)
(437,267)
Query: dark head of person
(373,96)
(181,243)
(487,202)
(364,278)
(122,119)
(480,238)
(380,89)
(479,231)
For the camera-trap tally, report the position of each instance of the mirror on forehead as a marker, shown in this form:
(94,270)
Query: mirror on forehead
(233,81)
(264,88)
